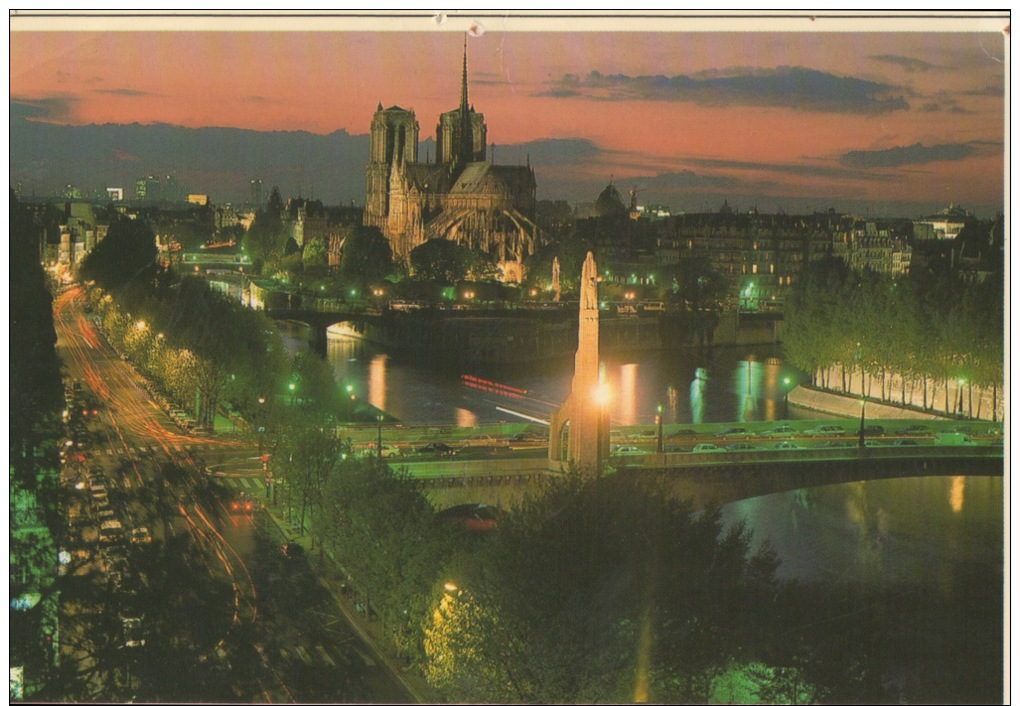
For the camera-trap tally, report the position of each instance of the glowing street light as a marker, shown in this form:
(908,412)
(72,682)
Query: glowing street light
(658,423)
(261,428)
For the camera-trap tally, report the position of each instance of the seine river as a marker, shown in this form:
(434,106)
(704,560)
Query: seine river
(927,556)
(928,552)
(745,384)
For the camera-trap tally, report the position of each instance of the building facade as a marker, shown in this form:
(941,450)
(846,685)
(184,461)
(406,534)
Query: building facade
(460,197)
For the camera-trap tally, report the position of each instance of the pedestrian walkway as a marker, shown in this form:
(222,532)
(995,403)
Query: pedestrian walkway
(849,406)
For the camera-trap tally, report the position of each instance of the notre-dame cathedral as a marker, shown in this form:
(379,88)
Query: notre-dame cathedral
(461,197)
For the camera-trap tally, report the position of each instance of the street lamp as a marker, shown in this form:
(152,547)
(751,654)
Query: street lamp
(378,443)
(260,429)
(786,398)
(658,421)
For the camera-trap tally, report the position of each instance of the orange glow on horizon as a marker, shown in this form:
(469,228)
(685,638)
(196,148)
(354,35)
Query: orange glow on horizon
(552,85)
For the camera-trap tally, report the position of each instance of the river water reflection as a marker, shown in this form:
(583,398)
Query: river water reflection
(744,384)
(931,531)
(923,556)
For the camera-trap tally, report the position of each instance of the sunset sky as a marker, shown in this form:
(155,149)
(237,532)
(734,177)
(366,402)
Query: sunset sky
(898,122)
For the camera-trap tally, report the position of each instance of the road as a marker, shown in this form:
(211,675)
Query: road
(226,616)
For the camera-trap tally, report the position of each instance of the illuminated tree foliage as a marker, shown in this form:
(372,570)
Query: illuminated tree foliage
(600,590)
(314,256)
(929,327)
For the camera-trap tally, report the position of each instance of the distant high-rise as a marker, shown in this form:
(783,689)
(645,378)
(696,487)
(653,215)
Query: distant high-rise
(148,189)
(256,193)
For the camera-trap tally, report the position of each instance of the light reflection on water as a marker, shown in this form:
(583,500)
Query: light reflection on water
(924,559)
(903,530)
(692,387)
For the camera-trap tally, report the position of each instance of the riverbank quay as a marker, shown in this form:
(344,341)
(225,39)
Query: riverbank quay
(849,406)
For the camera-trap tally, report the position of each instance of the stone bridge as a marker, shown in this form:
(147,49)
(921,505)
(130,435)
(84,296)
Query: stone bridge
(705,479)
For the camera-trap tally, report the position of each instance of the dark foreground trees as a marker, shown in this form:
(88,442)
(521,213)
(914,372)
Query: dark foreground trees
(602,590)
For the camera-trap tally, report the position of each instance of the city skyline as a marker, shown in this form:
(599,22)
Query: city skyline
(895,123)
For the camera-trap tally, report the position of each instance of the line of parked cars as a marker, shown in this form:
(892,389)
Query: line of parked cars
(112,556)
(831,435)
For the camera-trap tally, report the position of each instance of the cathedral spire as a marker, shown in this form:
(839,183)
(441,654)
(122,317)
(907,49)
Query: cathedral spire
(465,139)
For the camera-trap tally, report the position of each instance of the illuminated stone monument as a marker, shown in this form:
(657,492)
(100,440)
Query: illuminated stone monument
(583,416)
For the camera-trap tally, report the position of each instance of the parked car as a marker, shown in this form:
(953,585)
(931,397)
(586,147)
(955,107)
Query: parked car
(735,433)
(371,450)
(436,447)
(474,517)
(914,430)
(741,446)
(874,430)
(111,531)
(682,432)
(782,430)
(826,430)
(707,448)
(786,446)
(628,451)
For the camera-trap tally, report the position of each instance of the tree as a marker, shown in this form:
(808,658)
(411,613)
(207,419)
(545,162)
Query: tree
(305,458)
(35,385)
(439,259)
(265,239)
(126,256)
(366,258)
(314,256)
(702,290)
(570,251)
(564,590)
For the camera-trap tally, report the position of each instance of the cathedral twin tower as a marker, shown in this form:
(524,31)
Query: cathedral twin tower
(460,197)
